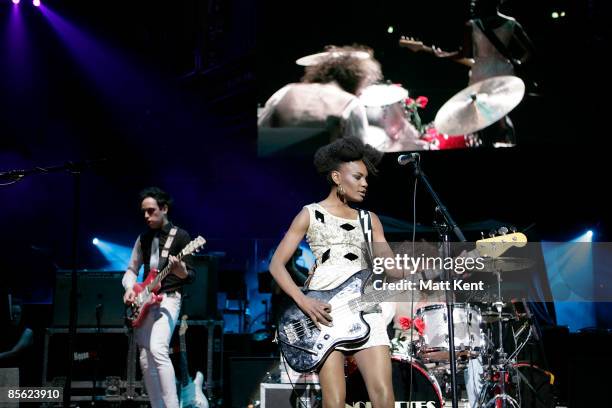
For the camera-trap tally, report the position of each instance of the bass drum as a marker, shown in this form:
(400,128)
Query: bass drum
(424,392)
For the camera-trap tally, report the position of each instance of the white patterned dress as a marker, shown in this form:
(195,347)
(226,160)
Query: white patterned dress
(339,248)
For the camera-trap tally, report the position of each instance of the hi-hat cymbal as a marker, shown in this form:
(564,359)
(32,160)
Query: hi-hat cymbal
(382,95)
(492,316)
(315,59)
(480,105)
(505,264)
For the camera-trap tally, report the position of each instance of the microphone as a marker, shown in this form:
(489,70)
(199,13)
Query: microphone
(404,159)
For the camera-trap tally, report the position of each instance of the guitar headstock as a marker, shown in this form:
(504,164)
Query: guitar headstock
(495,246)
(193,246)
(183,326)
(412,44)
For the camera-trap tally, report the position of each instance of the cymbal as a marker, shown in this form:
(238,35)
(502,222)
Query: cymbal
(480,105)
(315,59)
(505,264)
(382,95)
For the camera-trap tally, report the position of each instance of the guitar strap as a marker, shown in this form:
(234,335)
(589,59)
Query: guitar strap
(366,227)
(166,250)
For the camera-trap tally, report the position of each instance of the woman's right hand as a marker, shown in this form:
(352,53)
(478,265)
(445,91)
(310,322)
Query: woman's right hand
(318,311)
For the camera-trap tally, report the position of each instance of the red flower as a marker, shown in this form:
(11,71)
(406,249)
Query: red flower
(409,101)
(405,322)
(421,101)
(419,324)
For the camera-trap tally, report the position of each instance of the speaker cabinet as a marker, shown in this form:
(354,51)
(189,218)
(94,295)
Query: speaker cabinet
(97,292)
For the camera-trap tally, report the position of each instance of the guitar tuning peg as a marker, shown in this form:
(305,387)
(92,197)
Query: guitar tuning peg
(513,229)
(492,233)
(502,230)
(482,234)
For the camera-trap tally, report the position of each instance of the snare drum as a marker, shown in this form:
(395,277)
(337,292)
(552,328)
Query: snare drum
(433,343)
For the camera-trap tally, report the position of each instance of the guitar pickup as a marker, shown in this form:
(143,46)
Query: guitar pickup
(291,333)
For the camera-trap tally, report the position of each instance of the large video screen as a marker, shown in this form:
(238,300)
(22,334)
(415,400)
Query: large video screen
(395,92)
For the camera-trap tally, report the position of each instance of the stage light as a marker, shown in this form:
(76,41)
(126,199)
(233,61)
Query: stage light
(95,241)
(116,255)
(16,1)
(36,3)
(555,14)
(586,237)
(390,30)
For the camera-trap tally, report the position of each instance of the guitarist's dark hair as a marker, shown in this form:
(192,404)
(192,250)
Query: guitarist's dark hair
(163,199)
(347,149)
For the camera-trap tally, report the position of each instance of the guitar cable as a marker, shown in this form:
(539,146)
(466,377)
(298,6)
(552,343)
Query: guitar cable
(293,391)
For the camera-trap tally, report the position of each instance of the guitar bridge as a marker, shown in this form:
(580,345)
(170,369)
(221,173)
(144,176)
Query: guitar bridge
(290,332)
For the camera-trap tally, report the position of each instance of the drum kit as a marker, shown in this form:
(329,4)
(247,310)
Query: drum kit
(489,334)
(467,112)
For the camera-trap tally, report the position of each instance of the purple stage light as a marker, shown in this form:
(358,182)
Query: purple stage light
(36,3)
(16,1)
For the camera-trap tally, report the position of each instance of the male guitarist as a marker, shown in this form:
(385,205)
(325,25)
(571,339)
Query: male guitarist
(155,248)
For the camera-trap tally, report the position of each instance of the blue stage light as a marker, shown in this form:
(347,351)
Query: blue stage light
(117,256)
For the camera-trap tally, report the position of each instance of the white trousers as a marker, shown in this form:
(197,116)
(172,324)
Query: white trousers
(153,338)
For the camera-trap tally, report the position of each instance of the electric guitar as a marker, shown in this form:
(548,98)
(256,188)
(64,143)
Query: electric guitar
(418,46)
(191,390)
(146,292)
(305,346)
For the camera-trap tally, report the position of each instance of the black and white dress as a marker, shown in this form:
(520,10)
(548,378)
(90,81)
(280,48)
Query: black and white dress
(339,247)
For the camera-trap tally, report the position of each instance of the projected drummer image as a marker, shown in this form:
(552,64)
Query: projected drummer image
(342,93)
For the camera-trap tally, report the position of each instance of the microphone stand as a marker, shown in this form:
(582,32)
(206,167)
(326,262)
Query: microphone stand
(75,168)
(443,231)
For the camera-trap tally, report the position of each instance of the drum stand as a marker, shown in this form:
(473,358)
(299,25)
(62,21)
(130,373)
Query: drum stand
(503,363)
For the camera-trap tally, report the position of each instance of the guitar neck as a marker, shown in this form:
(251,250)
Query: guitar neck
(184,362)
(416,47)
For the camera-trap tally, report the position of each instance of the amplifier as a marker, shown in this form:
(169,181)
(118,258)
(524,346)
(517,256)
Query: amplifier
(200,297)
(103,354)
(290,396)
(98,293)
